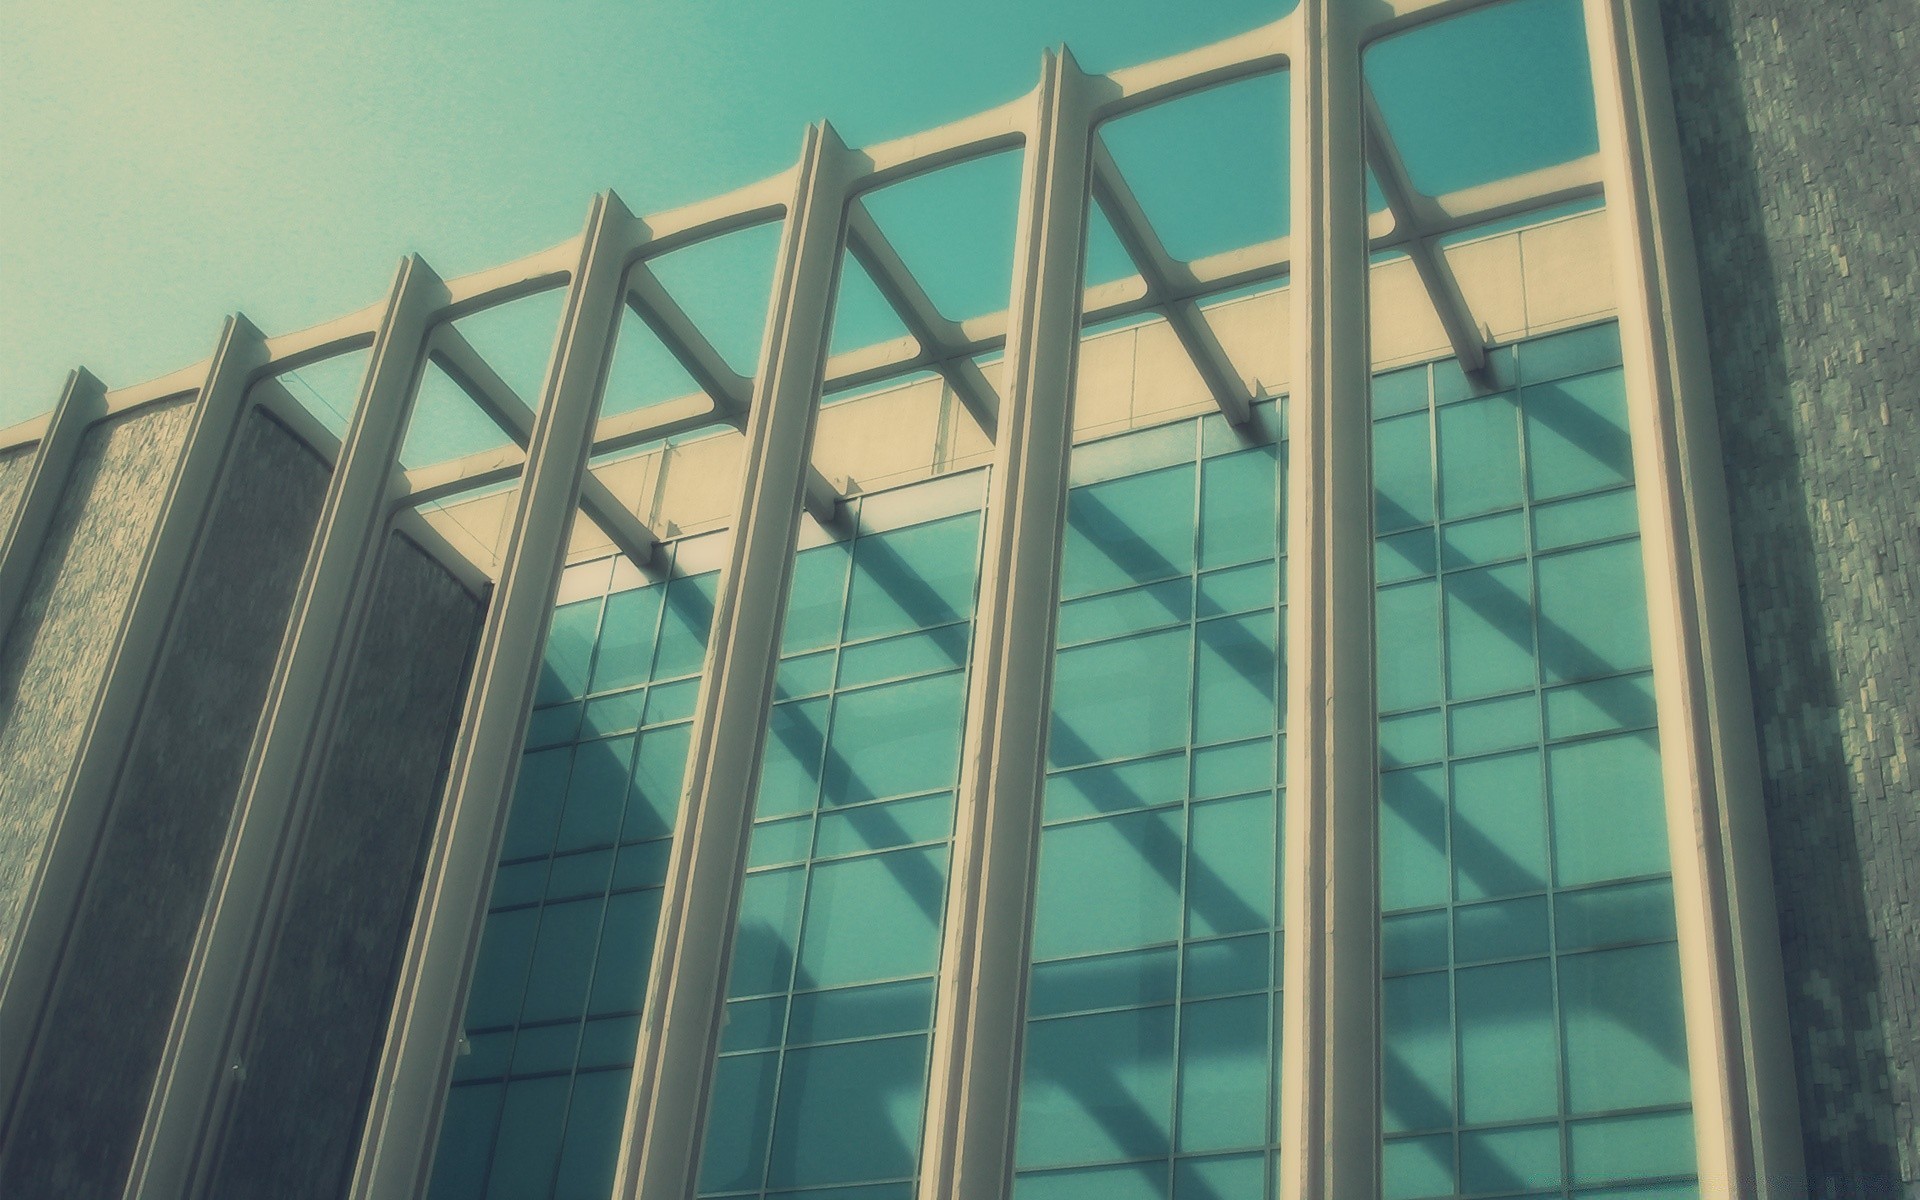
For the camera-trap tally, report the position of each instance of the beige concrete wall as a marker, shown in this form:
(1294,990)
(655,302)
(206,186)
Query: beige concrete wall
(1518,284)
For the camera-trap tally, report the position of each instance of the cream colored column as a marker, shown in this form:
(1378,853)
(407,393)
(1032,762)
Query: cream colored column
(1746,1109)
(680,1032)
(82,402)
(206,1044)
(1330,1108)
(979,1028)
(416,1064)
(34,958)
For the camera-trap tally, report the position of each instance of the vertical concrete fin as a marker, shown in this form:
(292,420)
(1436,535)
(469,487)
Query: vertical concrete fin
(980,1016)
(1329,1113)
(680,1031)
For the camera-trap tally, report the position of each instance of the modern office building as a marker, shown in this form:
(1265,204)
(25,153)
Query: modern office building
(1421,706)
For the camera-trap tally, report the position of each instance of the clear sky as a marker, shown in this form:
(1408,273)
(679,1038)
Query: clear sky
(166,162)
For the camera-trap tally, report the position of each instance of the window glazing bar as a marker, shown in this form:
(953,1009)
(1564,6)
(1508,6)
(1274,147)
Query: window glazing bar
(206,1044)
(82,402)
(410,1085)
(1329,1120)
(686,993)
(33,959)
(1746,1118)
(979,1026)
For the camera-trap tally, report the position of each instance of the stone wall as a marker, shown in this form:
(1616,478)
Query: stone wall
(1800,126)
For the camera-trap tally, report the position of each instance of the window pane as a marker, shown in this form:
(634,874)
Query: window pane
(790,764)
(763,944)
(653,802)
(1416,1053)
(912,578)
(849,1112)
(1120,699)
(735,1154)
(874,918)
(1479,456)
(683,626)
(1408,621)
(1489,631)
(1577,435)
(563,672)
(1230,866)
(528,1150)
(596,795)
(1626,1043)
(1413,838)
(1223,1073)
(1238,508)
(563,960)
(1608,821)
(1126,531)
(1097,1087)
(818,593)
(1402,473)
(1508,1050)
(895,740)
(626,639)
(1235,678)
(1499,826)
(1109,884)
(1593,613)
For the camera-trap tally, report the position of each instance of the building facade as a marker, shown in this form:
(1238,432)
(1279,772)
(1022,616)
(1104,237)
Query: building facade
(1422,707)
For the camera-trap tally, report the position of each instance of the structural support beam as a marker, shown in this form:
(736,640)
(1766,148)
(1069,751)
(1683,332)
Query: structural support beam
(410,1085)
(649,300)
(232,952)
(139,641)
(1329,1093)
(686,994)
(1436,274)
(942,340)
(473,375)
(82,402)
(1166,278)
(1739,1057)
(979,1029)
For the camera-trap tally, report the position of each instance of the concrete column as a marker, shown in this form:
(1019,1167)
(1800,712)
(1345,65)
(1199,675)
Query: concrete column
(82,806)
(205,1046)
(1330,1108)
(979,1029)
(1745,1106)
(82,402)
(686,996)
(410,1086)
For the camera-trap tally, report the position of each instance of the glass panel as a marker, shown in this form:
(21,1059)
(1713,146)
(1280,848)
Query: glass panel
(1126,531)
(1097,1088)
(914,578)
(1155,922)
(1527,929)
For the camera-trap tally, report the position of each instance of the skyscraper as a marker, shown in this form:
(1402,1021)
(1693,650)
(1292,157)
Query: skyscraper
(1423,704)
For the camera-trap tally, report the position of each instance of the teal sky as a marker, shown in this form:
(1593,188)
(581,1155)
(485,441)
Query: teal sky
(164,163)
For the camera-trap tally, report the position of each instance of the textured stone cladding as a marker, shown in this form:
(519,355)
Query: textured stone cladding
(1800,127)
(86,1091)
(296,1124)
(54,658)
(14,469)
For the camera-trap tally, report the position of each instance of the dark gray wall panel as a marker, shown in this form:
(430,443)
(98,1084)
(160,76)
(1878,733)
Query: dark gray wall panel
(14,469)
(1801,132)
(87,1087)
(54,659)
(296,1124)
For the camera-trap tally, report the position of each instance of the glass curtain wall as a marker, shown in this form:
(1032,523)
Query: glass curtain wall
(821,1083)
(1151,1043)
(540,1085)
(1531,1014)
